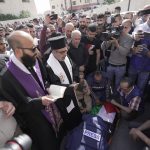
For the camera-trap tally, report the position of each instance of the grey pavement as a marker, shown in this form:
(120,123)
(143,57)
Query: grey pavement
(121,139)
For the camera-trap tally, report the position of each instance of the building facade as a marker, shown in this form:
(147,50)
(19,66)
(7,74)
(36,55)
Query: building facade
(59,6)
(14,7)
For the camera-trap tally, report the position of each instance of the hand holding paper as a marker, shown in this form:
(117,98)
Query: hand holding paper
(46,100)
(56,92)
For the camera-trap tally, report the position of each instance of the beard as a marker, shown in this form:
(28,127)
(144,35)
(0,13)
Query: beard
(82,26)
(28,61)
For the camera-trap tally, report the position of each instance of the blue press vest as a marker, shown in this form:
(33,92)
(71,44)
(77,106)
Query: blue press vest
(126,99)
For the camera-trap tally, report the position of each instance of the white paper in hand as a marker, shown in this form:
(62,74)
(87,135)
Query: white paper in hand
(56,91)
(70,107)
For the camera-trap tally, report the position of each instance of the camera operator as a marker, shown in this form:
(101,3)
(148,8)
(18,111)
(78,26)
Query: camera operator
(140,60)
(120,48)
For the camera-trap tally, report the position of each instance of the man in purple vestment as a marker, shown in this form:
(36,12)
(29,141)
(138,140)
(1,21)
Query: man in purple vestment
(23,82)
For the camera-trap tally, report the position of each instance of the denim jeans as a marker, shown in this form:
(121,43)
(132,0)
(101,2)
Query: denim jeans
(140,76)
(116,71)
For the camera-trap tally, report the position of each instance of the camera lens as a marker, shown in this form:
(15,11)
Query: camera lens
(22,142)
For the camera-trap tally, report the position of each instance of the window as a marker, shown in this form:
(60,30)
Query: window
(74,3)
(2,1)
(25,0)
(53,6)
(87,1)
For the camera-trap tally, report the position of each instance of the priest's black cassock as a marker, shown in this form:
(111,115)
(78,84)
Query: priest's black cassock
(24,91)
(62,70)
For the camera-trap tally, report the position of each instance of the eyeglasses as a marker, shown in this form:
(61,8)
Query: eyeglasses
(31,49)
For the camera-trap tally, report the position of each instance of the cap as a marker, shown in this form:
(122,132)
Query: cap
(57,42)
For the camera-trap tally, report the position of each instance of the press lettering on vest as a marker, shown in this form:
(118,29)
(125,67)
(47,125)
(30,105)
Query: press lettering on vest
(92,135)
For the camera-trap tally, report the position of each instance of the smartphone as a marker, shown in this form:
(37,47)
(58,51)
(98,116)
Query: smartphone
(54,17)
(146,39)
(73,15)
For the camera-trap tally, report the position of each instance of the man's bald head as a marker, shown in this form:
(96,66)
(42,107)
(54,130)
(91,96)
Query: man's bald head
(69,25)
(68,29)
(18,39)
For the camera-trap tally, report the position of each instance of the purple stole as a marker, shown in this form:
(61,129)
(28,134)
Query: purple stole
(34,90)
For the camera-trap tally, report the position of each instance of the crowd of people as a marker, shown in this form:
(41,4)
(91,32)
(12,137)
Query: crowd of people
(98,59)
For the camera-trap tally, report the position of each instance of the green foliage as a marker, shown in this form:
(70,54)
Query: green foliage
(23,14)
(109,1)
(4,17)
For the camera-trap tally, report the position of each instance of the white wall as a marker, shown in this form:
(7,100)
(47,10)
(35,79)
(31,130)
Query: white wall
(135,5)
(15,6)
(57,4)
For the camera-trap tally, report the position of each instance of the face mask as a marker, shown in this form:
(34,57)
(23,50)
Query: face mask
(28,61)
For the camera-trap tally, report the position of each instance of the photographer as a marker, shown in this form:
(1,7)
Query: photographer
(120,48)
(140,60)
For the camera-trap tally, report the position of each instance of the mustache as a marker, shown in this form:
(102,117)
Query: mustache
(35,55)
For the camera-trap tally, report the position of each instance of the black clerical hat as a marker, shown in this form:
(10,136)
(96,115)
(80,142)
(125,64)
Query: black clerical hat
(57,42)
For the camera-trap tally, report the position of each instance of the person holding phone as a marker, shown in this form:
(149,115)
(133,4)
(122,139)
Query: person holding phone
(139,67)
(93,49)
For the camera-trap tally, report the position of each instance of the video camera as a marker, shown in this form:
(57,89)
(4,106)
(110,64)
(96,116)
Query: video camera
(111,32)
(54,17)
(22,142)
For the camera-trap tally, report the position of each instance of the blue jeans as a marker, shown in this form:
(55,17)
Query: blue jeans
(116,71)
(140,76)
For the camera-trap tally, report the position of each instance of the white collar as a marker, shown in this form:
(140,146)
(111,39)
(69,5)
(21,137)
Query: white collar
(19,64)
